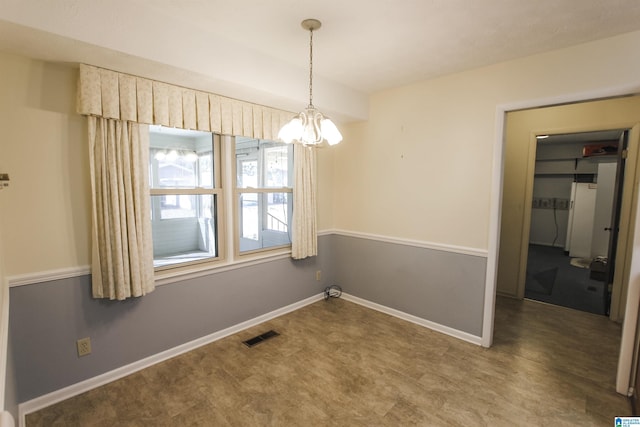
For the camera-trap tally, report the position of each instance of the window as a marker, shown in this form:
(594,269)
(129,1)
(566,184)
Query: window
(264,178)
(185,189)
(185,177)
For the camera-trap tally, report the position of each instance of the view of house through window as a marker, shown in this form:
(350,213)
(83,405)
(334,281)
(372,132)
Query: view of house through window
(264,179)
(184,195)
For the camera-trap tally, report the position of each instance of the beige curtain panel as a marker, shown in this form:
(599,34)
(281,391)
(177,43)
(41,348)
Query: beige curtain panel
(304,242)
(119,96)
(122,251)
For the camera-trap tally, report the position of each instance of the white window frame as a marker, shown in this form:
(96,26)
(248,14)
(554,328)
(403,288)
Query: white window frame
(239,191)
(216,192)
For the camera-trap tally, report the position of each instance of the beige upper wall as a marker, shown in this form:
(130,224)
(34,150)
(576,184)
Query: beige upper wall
(45,218)
(421,167)
(325,186)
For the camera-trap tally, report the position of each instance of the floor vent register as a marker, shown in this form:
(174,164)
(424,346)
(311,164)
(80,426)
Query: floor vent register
(260,338)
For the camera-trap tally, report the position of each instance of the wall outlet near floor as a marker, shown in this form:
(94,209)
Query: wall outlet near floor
(84,346)
(318,275)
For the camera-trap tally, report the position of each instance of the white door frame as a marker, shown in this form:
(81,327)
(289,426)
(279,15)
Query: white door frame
(627,346)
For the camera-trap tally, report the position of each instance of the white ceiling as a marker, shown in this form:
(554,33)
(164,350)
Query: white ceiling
(256,50)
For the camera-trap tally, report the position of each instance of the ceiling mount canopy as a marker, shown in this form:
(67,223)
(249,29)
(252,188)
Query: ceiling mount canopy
(311,24)
(310,127)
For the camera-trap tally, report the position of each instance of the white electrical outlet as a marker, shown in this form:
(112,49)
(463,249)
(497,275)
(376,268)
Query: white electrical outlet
(318,275)
(84,346)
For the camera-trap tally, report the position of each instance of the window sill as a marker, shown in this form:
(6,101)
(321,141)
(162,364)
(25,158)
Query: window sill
(166,277)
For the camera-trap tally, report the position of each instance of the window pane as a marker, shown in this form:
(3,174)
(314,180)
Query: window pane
(249,216)
(205,166)
(278,207)
(263,164)
(186,233)
(277,170)
(184,224)
(264,220)
(176,168)
(180,158)
(177,206)
(248,173)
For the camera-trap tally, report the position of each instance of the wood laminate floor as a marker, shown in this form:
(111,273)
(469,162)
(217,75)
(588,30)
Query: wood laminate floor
(340,364)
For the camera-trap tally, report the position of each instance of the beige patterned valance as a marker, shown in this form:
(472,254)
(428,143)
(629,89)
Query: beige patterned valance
(114,95)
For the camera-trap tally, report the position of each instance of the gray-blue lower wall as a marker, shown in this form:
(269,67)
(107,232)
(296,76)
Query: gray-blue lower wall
(47,318)
(443,287)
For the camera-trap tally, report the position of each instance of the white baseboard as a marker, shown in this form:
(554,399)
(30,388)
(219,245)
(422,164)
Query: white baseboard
(49,399)
(473,339)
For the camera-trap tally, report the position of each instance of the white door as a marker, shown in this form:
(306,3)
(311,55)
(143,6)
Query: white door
(567,242)
(603,209)
(582,214)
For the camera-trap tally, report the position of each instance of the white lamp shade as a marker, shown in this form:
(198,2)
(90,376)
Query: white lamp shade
(330,131)
(292,131)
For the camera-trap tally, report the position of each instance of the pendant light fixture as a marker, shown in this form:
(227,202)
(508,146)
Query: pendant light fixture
(310,127)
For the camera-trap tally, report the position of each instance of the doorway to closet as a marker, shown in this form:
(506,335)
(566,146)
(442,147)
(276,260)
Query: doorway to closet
(575,212)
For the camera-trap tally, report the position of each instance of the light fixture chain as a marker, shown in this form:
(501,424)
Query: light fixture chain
(311,67)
